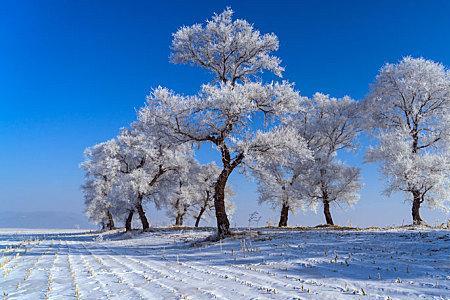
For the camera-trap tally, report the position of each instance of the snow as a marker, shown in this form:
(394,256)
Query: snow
(181,264)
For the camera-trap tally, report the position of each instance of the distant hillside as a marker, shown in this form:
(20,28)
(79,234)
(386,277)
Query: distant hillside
(44,219)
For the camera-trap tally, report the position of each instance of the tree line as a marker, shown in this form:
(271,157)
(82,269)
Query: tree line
(289,143)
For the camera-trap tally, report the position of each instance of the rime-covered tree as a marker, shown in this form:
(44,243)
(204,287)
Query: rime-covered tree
(97,204)
(99,180)
(124,173)
(330,183)
(122,208)
(180,191)
(224,112)
(203,204)
(328,125)
(104,199)
(132,156)
(277,175)
(145,159)
(408,110)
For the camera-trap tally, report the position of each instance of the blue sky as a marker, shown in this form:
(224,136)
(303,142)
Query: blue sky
(73,72)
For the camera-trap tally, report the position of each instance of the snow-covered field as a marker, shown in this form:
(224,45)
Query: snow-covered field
(276,264)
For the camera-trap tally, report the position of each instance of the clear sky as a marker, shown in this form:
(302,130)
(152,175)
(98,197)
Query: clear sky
(73,72)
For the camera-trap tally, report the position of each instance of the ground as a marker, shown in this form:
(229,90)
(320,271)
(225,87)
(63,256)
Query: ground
(180,264)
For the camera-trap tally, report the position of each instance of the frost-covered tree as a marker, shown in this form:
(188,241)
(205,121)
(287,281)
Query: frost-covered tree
(126,172)
(180,191)
(99,179)
(145,159)
(328,125)
(225,110)
(96,203)
(122,208)
(133,156)
(181,199)
(277,175)
(408,110)
(206,177)
(103,199)
(189,192)
(231,49)
(331,183)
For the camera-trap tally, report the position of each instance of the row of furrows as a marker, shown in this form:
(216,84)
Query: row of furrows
(341,264)
(223,275)
(11,255)
(70,269)
(163,270)
(375,261)
(106,270)
(76,274)
(165,280)
(343,286)
(276,283)
(32,269)
(51,276)
(304,285)
(229,274)
(12,285)
(20,263)
(113,281)
(161,275)
(92,274)
(189,278)
(273,285)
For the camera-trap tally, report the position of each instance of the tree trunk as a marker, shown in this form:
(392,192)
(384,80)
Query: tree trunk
(326,211)
(417,220)
(325,200)
(142,216)
(179,219)
(284,215)
(200,214)
(110,224)
(179,216)
(417,197)
(223,225)
(128,221)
